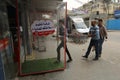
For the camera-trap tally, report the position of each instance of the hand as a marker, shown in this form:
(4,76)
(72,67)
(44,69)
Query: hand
(106,37)
(91,35)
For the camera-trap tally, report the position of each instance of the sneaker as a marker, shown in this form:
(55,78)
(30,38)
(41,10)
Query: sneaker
(69,60)
(85,56)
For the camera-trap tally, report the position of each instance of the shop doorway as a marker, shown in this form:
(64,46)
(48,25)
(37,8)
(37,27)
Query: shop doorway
(40,25)
(13,29)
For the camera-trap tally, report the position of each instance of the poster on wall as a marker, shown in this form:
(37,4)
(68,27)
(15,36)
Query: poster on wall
(42,27)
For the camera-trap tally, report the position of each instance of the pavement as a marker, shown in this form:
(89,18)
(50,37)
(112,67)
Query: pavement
(106,68)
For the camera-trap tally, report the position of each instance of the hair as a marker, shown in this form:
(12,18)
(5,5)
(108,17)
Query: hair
(93,22)
(100,20)
(61,21)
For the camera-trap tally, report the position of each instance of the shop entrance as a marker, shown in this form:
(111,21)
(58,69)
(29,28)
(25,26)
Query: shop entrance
(13,29)
(40,27)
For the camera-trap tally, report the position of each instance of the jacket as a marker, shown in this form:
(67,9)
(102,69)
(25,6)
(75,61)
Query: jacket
(103,32)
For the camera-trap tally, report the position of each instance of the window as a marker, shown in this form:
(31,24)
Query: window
(80,25)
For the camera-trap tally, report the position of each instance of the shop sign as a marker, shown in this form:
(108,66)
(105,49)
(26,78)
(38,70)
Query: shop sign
(117,13)
(42,27)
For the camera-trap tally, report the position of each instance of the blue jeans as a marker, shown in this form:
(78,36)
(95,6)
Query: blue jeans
(100,43)
(91,44)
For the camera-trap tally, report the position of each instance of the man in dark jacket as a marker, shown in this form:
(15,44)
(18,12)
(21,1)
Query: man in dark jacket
(62,34)
(103,35)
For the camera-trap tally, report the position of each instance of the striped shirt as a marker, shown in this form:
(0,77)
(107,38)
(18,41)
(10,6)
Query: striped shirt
(95,32)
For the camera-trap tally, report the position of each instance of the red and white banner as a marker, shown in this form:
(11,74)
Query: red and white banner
(42,27)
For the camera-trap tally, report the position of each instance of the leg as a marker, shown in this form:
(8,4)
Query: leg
(58,50)
(68,53)
(89,49)
(96,50)
(100,46)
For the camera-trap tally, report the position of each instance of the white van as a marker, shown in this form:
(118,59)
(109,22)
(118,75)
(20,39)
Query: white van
(78,24)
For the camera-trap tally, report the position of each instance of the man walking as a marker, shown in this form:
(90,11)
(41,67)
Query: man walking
(95,36)
(61,36)
(103,35)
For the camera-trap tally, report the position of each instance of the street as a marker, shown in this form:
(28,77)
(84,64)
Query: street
(111,48)
(106,68)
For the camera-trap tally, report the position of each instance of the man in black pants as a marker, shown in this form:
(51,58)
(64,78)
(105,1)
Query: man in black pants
(94,34)
(61,36)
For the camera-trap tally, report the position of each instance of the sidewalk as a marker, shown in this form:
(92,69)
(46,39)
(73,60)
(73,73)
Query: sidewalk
(106,68)
(81,69)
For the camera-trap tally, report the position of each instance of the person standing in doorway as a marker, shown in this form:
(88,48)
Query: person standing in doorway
(103,35)
(95,36)
(62,32)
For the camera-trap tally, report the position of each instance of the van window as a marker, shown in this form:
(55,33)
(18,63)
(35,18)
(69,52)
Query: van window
(80,25)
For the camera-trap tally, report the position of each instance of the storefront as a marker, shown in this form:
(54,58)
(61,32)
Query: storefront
(7,65)
(26,34)
(37,24)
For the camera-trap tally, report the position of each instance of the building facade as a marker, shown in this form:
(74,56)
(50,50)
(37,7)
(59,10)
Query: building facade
(100,9)
(15,31)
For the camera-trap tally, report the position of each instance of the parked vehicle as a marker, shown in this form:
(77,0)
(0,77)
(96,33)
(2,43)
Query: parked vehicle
(78,24)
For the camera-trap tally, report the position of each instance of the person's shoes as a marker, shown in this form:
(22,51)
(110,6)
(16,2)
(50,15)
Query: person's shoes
(95,59)
(69,60)
(85,57)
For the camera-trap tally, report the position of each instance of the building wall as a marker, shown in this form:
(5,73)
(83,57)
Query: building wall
(95,6)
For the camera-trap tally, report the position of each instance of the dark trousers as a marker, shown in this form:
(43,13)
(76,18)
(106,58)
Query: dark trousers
(100,43)
(58,50)
(93,43)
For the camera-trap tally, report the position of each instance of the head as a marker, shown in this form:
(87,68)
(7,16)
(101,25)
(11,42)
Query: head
(61,21)
(100,21)
(93,23)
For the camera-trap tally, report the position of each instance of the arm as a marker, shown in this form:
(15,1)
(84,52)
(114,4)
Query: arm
(92,32)
(105,32)
(89,34)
